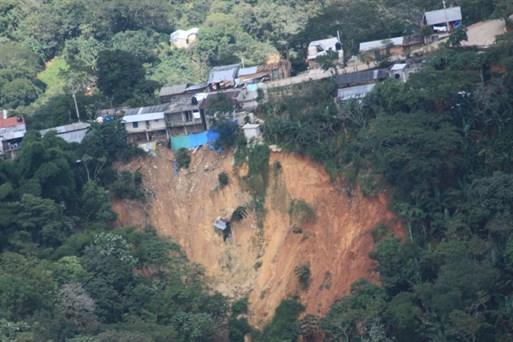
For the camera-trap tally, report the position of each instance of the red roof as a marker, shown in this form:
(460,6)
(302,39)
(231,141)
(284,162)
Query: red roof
(11,122)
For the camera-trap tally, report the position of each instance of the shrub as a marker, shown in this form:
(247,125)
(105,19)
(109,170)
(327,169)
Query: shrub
(303,275)
(284,326)
(183,158)
(277,168)
(240,306)
(128,185)
(301,212)
(223,179)
(239,214)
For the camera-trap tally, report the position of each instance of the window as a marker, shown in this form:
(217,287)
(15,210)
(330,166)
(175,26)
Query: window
(188,116)
(135,124)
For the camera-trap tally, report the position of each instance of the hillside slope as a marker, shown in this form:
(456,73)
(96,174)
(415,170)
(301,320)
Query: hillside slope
(255,263)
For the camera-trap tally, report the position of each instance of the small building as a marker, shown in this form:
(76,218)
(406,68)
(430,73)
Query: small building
(321,47)
(223,77)
(399,72)
(354,93)
(252,131)
(444,20)
(181,116)
(145,124)
(183,39)
(361,78)
(72,133)
(395,47)
(266,72)
(12,131)
(167,93)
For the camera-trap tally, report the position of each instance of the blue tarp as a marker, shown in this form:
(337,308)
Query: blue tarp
(195,140)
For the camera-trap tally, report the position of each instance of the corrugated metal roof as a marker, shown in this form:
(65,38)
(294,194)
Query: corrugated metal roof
(443,16)
(381,44)
(354,93)
(360,77)
(72,133)
(248,71)
(173,90)
(146,110)
(223,73)
(143,117)
(195,87)
(398,66)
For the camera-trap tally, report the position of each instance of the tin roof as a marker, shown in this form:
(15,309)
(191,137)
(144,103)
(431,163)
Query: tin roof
(248,71)
(223,73)
(360,77)
(173,90)
(354,93)
(443,16)
(381,44)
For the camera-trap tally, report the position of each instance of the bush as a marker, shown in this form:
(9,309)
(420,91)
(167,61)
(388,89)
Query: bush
(301,212)
(303,274)
(183,158)
(223,179)
(239,214)
(240,307)
(128,186)
(229,134)
(284,326)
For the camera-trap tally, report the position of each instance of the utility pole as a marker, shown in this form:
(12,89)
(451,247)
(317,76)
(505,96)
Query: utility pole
(76,105)
(445,13)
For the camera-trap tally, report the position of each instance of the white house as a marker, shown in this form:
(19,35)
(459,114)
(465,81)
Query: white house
(147,124)
(321,47)
(252,131)
(184,38)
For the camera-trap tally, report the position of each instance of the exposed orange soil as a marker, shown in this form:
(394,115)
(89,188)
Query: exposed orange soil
(255,263)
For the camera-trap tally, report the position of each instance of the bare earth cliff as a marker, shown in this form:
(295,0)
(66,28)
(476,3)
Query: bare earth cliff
(254,262)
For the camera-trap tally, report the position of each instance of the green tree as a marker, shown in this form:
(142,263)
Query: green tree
(119,74)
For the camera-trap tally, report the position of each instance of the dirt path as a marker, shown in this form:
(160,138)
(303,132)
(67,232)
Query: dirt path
(484,34)
(254,263)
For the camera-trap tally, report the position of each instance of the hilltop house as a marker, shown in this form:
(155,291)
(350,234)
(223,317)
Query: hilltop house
(182,39)
(444,20)
(12,131)
(72,133)
(182,116)
(320,48)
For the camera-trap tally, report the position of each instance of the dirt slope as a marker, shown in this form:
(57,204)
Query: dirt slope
(255,263)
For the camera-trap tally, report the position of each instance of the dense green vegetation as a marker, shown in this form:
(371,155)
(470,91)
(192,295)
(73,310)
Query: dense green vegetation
(442,144)
(76,39)
(65,274)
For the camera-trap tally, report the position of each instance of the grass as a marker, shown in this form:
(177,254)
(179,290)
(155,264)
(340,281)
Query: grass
(51,76)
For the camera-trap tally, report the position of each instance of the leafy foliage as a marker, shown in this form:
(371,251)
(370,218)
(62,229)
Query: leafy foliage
(183,158)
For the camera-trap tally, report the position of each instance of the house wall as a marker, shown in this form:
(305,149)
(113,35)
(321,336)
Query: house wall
(145,126)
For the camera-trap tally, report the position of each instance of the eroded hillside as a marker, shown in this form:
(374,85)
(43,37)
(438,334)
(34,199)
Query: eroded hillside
(254,262)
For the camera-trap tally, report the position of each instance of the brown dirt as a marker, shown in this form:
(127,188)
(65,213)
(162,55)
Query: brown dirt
(335,246)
